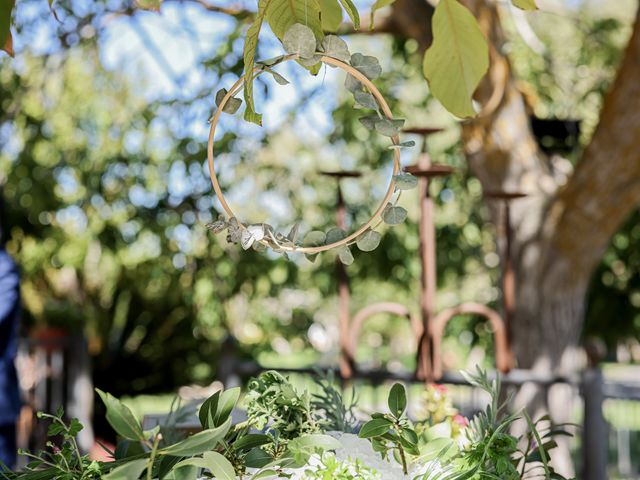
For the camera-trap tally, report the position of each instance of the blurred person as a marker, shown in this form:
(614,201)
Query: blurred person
(9,318)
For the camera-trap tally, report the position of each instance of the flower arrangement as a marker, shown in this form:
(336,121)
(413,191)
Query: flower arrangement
(302,436)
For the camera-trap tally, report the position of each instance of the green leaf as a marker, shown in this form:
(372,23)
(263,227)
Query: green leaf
(335,47)
(232,105)
(394,215)
(375,428)
(458,58)
(365,100)
(219,466)
(280,80)
(300,40)
(207,410)
(249,55)
(250,441)
(405,181)
(377,6)
(257,458)
(303,447)
(6,7)
(335,235)
(330,15)
(369,241)
(397,400)
(128,471)
(315,238)
(389,128)
(369,121)
(436,448)
(367,65)
(121,418)
(226,404)
(352,11)
(525,4)
(198,443)
(282,14)
(407,144)
(345,255)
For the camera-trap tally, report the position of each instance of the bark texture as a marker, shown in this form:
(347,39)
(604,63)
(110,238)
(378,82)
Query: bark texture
(563,226)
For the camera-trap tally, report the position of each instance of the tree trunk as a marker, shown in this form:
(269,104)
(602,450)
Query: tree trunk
(563,226)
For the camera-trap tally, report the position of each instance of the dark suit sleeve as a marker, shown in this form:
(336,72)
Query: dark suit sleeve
(9,289)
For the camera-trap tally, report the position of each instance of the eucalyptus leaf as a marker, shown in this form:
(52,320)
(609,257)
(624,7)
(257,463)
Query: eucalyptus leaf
(335,235)
(311,61)
(369,241)
(394,215)
(335,47)
(232,105)
(366,100)
(293,233)
(405,181)
(282,14)
(345,255)
(369,121)
(352,84)
(315,238)
(457,59)
(299,40)
(217,226)
(367,65)
(389,128)
(280,80)
(407,144)
(270,62)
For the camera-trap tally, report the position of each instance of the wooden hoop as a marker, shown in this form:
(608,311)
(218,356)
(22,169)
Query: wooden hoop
(239,85)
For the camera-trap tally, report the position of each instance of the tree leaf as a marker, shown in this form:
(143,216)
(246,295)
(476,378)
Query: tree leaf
(367,65)
(251,440)
(394,215)
(405,181)
(121,418)
(365,100)
(198,443)
(300,40)
(207,410)
(330,15)
(217,464)
(335,47)
(375,428)
(282,14)
(352,11)
(249,55)
(152,5)
(369,241)
(6,7)
(345,255)
(377,6)
(232,105)
(525,4)
(293,233)
(369,121)
(397,400)
(458,58)
(128,471)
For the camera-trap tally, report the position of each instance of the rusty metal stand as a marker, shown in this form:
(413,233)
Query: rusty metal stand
(429,328)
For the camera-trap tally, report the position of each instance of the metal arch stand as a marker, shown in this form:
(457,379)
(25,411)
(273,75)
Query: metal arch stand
(429,328)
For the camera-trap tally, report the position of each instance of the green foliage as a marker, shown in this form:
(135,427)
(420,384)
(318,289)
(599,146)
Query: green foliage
(333,413)
(458,58)
(393,432)
(333,469)
(6,8)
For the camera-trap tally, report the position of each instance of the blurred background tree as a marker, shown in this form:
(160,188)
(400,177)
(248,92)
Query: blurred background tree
(102,134)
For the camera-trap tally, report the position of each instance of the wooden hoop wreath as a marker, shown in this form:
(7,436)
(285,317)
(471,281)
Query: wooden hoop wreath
(310,250)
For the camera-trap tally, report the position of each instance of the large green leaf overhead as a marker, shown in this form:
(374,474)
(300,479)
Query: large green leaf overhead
(282,14)
(6,6)
(458,58)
